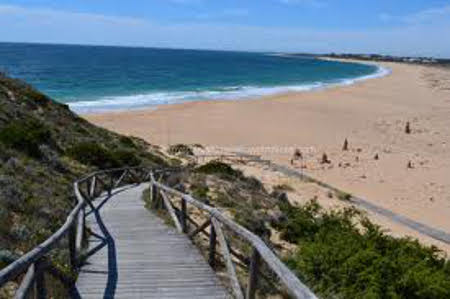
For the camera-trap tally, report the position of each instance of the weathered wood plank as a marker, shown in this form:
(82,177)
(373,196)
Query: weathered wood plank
(80,230)
(142,257)
(293,285)
(169,207)
(228,260)
(27,284)
(253,275)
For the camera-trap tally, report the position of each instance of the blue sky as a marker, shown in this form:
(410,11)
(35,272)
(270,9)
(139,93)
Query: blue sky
(399,27)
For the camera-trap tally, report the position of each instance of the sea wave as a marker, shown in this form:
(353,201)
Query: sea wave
(153,99)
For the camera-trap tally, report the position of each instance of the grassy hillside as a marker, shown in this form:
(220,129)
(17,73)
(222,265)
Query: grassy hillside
(43,148)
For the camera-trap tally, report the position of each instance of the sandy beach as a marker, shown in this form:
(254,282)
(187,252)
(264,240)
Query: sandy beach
(410,175)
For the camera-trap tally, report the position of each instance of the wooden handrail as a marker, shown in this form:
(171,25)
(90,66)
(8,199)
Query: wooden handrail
(73,227)
(237,291)
(293,285)
(21,265)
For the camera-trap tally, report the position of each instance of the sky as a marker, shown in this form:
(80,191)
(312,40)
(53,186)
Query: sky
(396,27)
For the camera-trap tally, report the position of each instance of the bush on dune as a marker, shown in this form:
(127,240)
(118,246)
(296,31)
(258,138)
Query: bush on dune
(219,168)
(180,149)
(342,254)
(125,157)
(93,154)
(26,136)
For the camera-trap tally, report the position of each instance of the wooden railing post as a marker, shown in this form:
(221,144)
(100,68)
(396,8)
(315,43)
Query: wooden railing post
(72,246)
(183,215)
(212,247)
(92,187)
(155,197)
(41,291)
(226,255)
(253,275)
(88,190)
(80,230)
(27,284)
(111,184)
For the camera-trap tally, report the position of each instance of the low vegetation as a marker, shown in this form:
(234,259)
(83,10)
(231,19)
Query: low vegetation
(25,136)
(219,168)
(44,147)
(180,149)
(344,196)
(96,155)
(341,254)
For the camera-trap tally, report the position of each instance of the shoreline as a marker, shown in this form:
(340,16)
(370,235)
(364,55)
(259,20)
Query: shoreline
(371,115)
(247,93)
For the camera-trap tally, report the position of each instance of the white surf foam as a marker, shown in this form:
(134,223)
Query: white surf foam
(138,101)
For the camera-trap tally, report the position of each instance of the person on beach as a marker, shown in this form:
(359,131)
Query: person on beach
(297,156)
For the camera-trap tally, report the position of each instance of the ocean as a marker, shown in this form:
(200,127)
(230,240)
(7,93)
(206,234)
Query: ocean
(99,78)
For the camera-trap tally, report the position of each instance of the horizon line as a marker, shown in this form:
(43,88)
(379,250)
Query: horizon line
(213,50)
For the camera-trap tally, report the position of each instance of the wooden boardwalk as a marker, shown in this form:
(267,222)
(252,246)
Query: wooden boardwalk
(133,254)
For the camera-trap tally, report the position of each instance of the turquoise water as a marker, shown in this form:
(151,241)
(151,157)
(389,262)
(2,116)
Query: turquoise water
(97,78)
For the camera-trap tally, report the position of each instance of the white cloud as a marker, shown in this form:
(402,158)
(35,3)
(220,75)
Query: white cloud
(19,24)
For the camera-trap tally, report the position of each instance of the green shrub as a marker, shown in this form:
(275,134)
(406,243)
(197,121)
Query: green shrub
(344,196)
(26,136)
(36,96)
(222,200)
(219,168)
(200,192)
(92,154)
(340,259)
(125,158)
(253,183)
(246,216)
(153,158)
(127,141)
(180,149)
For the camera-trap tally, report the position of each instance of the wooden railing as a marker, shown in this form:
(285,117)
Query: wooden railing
(36,263)
(176,203)
(33,265)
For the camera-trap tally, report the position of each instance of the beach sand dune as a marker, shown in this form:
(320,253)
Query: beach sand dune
(411,174)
